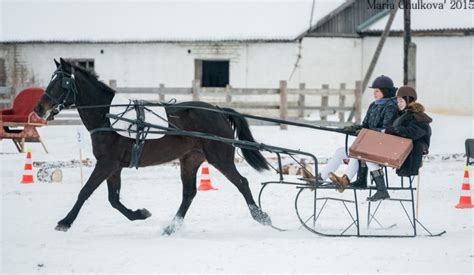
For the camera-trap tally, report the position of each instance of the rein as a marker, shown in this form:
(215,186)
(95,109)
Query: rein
(220,110)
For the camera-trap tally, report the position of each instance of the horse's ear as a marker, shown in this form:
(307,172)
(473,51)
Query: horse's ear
(64,64)
(57,63)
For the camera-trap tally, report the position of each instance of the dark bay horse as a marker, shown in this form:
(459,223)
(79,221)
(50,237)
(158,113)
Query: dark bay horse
(73,85)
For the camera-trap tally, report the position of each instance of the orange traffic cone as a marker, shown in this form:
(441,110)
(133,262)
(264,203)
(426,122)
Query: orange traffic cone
(28,173)
(465,200)
(205,183)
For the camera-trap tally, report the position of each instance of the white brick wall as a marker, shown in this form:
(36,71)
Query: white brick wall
(444,64)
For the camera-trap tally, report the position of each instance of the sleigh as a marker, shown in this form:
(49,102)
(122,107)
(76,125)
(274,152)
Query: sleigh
(323,211)
(313,197)
(20,123)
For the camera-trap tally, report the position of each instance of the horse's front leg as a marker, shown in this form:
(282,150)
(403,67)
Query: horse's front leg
(114,183)
(102,170)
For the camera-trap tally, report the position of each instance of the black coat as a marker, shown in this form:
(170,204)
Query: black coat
(380,116)
(413,123)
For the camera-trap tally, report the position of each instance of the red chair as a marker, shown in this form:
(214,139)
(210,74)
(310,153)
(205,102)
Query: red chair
(20,122)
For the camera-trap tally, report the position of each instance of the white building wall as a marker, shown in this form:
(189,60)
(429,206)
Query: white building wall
(268,63)
(444,64)
(444,70)
(149,64)
(330,61)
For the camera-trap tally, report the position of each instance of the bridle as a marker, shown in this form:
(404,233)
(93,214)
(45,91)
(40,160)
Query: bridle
(68,83)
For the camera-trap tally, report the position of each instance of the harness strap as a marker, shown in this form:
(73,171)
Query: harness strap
(141,134)
(69,84)
(377,173)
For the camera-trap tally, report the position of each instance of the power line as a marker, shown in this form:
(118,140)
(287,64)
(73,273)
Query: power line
(299,56)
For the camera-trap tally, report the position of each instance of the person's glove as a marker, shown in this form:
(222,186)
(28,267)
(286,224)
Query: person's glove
(352,129)
(389,130)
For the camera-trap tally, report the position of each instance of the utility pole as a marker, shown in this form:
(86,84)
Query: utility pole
(406,40)
(409,49)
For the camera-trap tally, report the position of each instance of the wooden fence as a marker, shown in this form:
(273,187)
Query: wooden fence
(283,102)
(340,104)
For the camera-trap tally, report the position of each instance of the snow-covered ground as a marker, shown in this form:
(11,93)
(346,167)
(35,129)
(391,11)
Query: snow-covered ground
(218,234)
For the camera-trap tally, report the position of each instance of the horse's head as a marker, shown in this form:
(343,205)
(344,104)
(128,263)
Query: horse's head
(61,91)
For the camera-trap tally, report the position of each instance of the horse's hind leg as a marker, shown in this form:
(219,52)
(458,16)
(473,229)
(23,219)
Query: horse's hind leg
(228,169)
(102,170)
(189,166)
(113,184)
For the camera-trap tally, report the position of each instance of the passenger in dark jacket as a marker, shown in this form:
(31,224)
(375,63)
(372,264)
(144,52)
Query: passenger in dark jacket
(412,123)
(381,114)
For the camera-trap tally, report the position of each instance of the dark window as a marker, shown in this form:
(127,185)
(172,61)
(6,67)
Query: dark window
(215,73)
(84,63)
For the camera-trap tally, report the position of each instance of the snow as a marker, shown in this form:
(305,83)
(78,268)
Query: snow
(126,20)
(219,234)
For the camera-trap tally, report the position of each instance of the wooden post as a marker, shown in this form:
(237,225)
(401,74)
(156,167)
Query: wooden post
(196,86)
(113,84)
(161,94)
(301,100)
(80,167)
(342,102)
(375,58)
(228,97)
(358,103)
(283,104)
(379,48)
(324,102)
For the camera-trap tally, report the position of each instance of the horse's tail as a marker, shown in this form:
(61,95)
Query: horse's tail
(241,127)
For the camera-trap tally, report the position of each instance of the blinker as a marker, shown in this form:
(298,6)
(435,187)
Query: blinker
(66,82)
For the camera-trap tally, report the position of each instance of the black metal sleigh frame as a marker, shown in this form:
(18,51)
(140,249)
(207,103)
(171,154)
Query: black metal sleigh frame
(308,221)
(320,201)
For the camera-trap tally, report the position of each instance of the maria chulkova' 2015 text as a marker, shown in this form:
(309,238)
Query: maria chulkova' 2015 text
(423,4)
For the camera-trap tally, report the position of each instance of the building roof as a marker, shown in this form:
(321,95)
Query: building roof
(158,20)
(344,20)
(425,20)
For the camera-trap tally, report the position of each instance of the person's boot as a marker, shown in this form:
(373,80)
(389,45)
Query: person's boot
(381,193)
(341,182)
(361,181)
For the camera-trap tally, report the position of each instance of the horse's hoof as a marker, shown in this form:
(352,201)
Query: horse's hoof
(62,227)
(145,213)
(168,230)
(173,227)
(265,219)
(260,216)
(141,214)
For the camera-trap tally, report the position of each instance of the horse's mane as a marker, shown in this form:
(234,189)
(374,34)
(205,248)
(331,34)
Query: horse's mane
(91,74)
